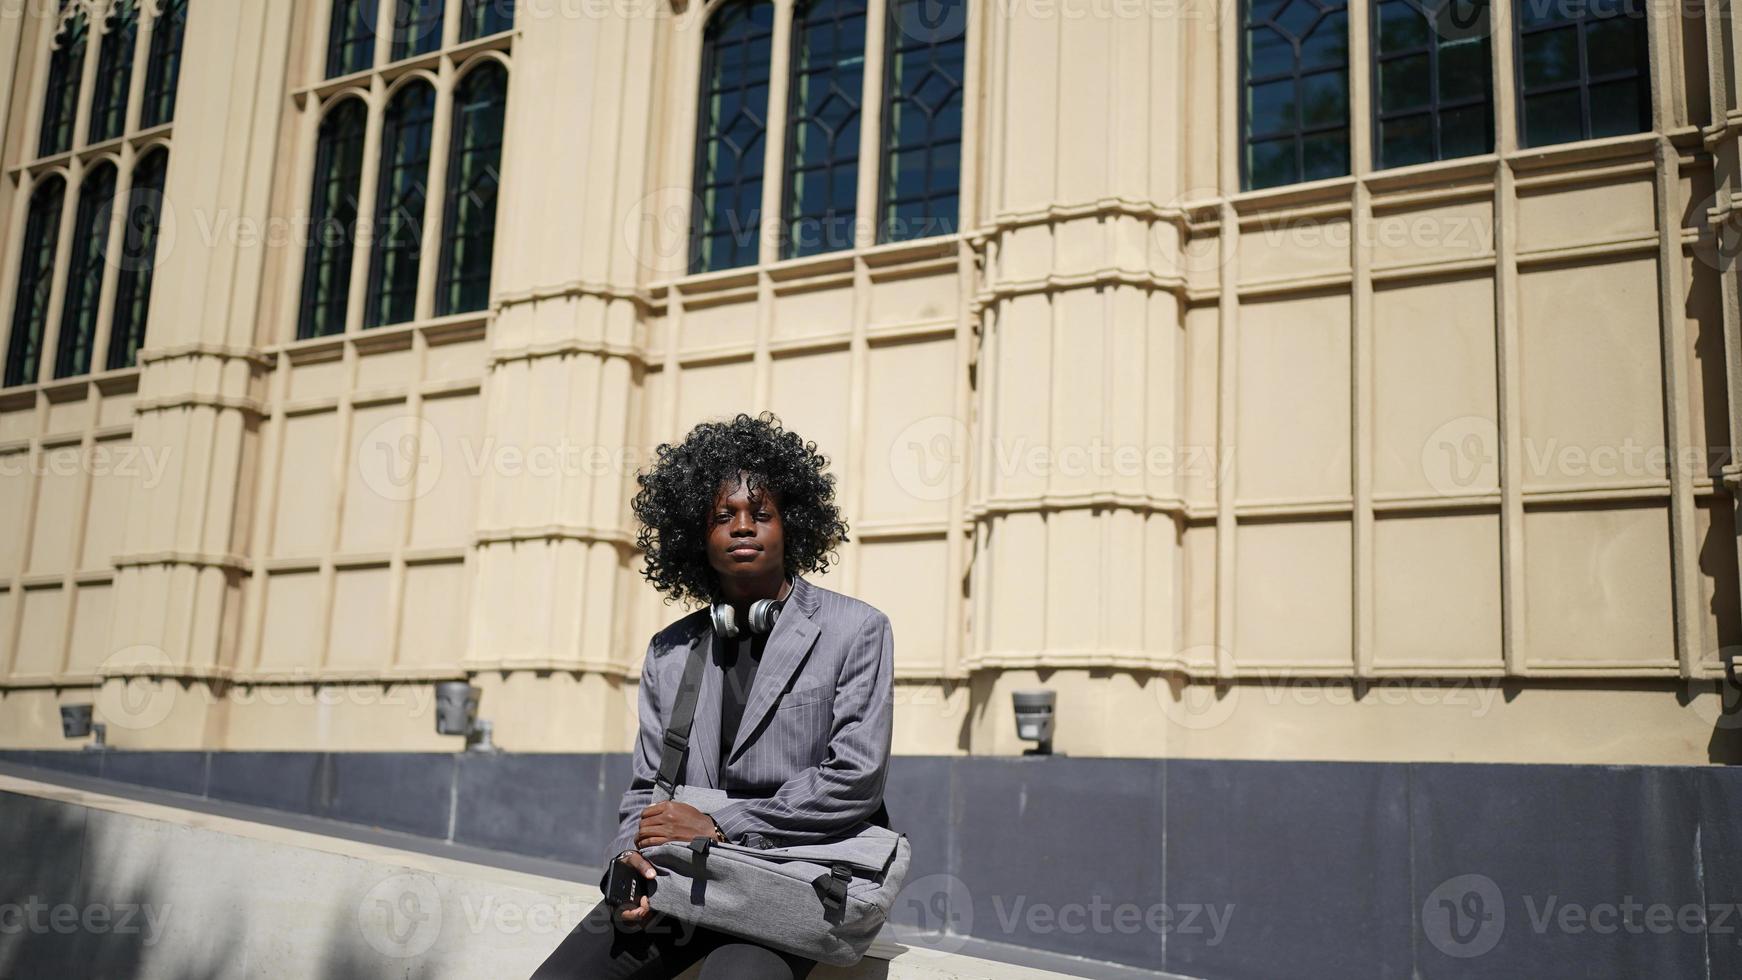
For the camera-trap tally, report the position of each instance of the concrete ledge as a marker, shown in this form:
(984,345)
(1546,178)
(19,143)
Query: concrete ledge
(102,886)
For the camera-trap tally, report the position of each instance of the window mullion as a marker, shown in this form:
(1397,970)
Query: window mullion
(435,193)
(94,38)
(870,126)
(48,349)
(368,185)
(1359,21)
(113,257)
(1505,81)
(141,67)
(452,11)
(385,13)
(769,230)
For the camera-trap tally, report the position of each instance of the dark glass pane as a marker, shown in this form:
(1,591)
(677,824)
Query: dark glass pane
(922,119)
(1614,45)
(400,195)
(326,274)
(1290,90)
(1552,118)
(35,282)
(1404,83)
(1407,140)
(1466,132)
(474,177)
(1271,109)
(1464,70)
(729,137)
(1401,27)
(1591,57)
(1268,52)
(1325,155)
(1297,18)
(78,321)
(1551,57)
(1273,162)
(417,27)
(138,260)
(822,141)
(1534,13)
(66,68)
(482,18)
(163,68)
(1324,100)
(114,71)
(1618,108)
(1328,45)
(351,37)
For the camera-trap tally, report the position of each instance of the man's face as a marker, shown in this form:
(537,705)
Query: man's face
(745,537)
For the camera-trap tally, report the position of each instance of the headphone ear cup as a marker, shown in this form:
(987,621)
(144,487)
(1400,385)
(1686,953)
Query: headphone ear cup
(763,613)
(725,621)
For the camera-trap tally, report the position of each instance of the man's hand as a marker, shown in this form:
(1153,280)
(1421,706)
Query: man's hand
(640,912)
(670,821)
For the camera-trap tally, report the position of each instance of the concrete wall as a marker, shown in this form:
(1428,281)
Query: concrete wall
(1202,868)
(103,887)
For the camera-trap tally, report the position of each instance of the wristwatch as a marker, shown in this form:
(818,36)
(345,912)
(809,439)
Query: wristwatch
(719,835)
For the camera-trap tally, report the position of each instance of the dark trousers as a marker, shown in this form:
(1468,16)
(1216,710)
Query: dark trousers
(661,948)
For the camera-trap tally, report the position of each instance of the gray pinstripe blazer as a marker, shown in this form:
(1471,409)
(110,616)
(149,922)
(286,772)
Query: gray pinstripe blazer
(812,750)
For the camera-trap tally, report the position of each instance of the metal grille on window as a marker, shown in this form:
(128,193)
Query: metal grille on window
(417,27)
(351,37)
(138,260)
(163,73)
(1582,70)
(474,161)
(925,45)
(1295,91)
(731,124)
(400,194)
(35,282)
(822,141)
(326,274)
(78,322)
(60,106)
(482,18)
(1435,97)
(114,71)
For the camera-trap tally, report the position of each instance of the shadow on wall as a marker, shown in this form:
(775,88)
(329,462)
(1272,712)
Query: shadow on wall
(58,920)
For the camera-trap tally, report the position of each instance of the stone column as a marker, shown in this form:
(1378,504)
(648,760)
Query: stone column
(178,584)
(549,641)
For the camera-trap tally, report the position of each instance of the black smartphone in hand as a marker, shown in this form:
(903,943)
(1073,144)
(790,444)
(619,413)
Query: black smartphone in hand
(622,885)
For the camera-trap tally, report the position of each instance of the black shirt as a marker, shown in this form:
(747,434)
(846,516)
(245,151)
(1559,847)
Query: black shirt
(740,659)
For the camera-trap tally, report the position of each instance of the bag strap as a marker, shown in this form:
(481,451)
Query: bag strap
(683,717)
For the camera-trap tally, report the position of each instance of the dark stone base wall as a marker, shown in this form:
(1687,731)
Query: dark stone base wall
(1217,869)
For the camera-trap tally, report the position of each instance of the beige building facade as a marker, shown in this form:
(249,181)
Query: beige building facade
(1249,446)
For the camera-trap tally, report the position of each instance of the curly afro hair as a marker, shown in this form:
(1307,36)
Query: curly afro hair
(679,489)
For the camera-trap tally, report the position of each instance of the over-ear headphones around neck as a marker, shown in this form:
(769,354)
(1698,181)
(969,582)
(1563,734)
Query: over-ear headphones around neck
(763,614)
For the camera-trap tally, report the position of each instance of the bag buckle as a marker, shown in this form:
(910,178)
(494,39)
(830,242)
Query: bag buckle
(673,740)
(834,889)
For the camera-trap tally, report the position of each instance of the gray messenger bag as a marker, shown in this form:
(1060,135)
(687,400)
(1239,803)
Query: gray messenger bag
(824,900)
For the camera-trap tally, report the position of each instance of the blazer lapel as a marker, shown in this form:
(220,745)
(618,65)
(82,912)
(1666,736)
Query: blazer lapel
(794,632)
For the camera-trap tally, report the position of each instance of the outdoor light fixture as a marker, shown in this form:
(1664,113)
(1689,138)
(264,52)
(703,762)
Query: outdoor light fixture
(1034,716)
(457,714)
(75,722)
